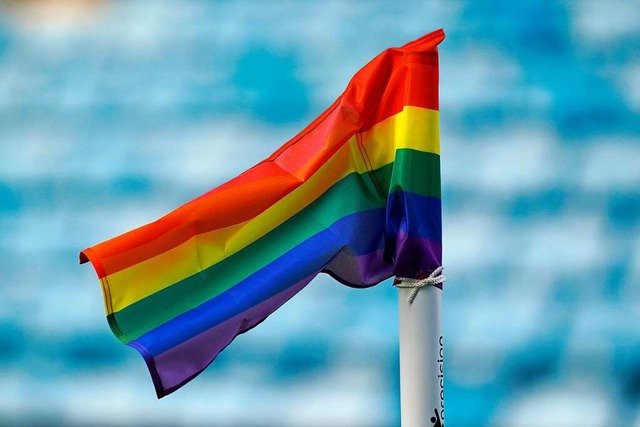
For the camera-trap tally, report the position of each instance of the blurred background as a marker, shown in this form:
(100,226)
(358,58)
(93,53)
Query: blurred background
(112,113)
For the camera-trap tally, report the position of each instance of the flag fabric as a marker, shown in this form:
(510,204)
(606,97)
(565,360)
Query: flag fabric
(356,195)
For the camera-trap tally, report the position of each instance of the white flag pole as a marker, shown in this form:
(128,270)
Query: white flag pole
(421,351)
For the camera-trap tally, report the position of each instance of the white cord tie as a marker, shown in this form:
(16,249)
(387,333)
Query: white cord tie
(434,278)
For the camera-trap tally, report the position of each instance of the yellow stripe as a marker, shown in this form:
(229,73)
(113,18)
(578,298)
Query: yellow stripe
(414,128)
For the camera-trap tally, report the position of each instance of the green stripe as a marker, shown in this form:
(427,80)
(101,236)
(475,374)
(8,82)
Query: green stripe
(352,194)
(414,171)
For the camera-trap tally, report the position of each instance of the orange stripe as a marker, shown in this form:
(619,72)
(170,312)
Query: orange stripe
(414,128)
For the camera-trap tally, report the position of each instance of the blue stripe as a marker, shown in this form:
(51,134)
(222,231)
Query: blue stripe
(416,215)
(357,234)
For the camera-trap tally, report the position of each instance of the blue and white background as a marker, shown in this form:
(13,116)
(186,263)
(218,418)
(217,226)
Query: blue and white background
(112,113)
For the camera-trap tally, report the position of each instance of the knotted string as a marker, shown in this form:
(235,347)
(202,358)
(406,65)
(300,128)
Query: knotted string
(435,278)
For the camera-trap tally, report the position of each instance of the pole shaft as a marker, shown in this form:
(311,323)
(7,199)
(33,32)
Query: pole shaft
(421,358)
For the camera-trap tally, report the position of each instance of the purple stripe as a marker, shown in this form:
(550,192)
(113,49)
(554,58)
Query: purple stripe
(178,365)
(359,271)
(417,257)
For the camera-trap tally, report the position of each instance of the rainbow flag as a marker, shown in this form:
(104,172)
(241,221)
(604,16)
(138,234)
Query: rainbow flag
(356,195)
